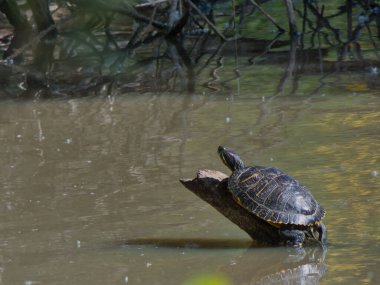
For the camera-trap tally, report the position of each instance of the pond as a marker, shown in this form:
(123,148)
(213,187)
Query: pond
(90,190)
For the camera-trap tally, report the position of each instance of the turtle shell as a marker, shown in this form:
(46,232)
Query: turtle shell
(274,196)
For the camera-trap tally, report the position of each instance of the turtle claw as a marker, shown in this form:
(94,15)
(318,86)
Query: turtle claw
(294,238)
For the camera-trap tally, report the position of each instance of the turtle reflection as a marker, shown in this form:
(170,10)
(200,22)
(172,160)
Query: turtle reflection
(280,266)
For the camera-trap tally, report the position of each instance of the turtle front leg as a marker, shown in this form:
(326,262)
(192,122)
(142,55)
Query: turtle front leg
(293,237)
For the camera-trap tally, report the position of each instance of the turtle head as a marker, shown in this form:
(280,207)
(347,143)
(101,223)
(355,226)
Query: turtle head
(319,232)
(230,158)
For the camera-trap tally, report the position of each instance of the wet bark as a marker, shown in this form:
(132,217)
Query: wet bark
(211,186)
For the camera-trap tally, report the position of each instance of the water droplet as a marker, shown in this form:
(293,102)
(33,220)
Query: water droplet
(228,120)
(78,243)
(9,206)
(30,282)
(374,173)
(126,279)
(271,159)
(19,136)
(68,141)
(148,264)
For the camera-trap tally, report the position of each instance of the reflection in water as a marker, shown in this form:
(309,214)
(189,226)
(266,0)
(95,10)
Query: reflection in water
(114,56)
(282,266)
(256,265)
(303,274)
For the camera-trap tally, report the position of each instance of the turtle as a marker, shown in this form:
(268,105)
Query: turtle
(277,198)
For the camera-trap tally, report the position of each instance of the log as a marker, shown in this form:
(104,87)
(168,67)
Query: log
(211,186)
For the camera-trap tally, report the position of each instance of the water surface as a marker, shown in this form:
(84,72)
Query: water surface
(90,191)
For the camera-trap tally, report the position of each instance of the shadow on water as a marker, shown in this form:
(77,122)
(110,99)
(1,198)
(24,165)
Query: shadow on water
(188,243)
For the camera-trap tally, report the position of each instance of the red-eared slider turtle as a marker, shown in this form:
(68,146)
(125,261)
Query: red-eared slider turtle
(277,198)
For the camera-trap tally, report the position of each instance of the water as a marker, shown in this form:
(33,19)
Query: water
(90,191)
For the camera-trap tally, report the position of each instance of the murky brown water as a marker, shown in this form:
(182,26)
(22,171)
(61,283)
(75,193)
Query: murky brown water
(80,178)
